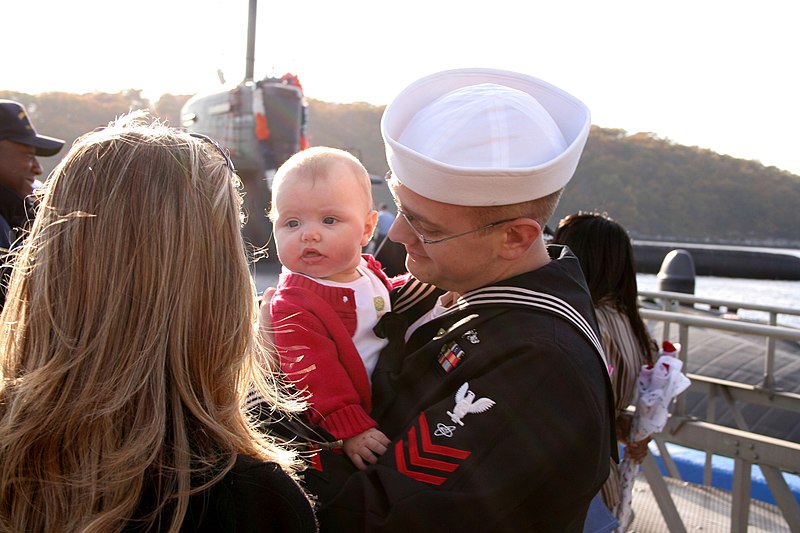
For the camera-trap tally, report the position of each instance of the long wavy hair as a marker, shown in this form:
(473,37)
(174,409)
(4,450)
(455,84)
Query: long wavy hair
(605,252)
(128,341)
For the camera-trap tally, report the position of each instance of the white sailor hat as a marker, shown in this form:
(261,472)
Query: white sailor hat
(478,137)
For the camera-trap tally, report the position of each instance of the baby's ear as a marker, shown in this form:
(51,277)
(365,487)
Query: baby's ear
(369,227)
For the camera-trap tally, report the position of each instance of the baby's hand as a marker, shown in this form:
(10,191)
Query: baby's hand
(364,448)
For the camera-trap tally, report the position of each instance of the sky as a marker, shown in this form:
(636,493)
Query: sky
(721,75)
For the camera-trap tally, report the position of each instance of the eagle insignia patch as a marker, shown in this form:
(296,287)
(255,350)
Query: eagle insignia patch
(467,404)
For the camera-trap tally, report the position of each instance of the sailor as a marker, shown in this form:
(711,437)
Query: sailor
(19,146)
(498,403)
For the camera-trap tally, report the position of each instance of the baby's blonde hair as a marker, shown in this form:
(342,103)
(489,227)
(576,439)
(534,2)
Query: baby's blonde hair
(312,163)
(128,340)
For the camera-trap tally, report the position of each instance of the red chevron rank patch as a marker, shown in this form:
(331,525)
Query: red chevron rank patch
(422,454)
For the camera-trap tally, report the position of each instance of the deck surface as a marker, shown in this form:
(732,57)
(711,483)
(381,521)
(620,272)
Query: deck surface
(701,508)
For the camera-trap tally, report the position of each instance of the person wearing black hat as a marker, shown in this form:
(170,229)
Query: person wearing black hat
(19,147)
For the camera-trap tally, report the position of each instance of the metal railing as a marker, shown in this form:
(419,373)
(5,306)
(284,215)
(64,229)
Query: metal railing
(670,301)
(746,448)
(669,298)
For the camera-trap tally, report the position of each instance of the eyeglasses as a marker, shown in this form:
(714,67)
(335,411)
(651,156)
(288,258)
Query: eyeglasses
(426,240)
(224,151)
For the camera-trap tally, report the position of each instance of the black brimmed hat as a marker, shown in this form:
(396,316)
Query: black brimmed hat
(16,126)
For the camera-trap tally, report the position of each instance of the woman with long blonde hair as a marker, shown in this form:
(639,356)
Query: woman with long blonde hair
(128,344)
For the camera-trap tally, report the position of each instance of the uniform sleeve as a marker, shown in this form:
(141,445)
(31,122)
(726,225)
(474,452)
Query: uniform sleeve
(312,361)
(528,454)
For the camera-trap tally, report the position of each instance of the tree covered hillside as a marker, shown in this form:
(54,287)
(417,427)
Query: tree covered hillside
(656,188)
(662,190)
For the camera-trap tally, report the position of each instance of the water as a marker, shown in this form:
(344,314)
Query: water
(753,291)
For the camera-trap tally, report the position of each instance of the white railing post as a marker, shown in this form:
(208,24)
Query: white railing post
(769,363)
(740,503)
(661,493)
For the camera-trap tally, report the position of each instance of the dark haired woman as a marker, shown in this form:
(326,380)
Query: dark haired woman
(604,250)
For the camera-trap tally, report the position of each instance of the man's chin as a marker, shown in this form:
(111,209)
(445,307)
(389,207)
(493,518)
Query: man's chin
(26,188)
(416,270)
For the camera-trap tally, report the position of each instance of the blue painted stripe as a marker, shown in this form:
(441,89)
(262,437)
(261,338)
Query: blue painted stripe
(691,464)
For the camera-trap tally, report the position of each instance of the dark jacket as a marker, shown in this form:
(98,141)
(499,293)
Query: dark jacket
(15,216)
(254,496)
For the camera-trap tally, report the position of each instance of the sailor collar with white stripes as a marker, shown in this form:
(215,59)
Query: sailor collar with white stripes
(507,295)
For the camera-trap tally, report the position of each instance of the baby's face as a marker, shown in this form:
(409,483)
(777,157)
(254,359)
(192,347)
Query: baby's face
(322,224)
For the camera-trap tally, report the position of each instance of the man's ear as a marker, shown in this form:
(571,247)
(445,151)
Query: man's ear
(519,236)
(369,227)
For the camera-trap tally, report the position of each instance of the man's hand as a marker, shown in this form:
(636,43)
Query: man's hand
(364,448)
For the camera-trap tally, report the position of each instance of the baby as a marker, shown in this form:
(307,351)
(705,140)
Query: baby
(329,296)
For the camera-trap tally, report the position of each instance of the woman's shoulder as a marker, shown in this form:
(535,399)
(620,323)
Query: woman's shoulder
(255,496)
(248,469)
(608,314)
(245,465)
(616,328)
(268,478)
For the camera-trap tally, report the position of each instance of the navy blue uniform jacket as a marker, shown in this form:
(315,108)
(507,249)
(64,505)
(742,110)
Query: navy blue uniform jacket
(500,413)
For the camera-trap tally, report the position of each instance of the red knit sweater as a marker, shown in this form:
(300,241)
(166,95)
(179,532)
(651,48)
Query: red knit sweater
(314,326)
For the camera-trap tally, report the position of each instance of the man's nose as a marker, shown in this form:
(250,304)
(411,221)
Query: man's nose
(401,232)
(36,168)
